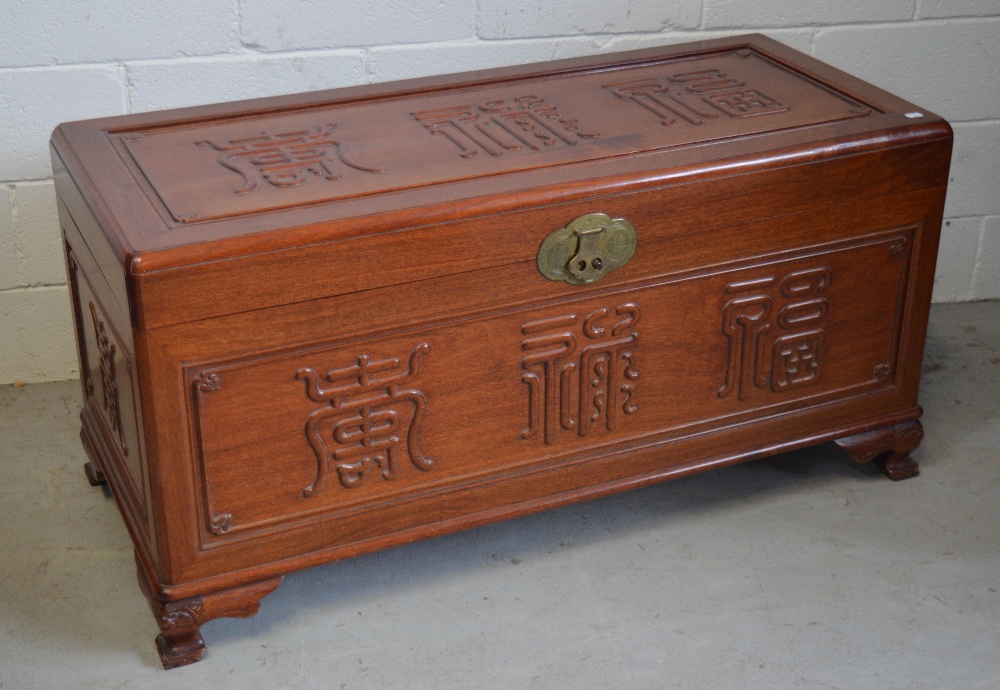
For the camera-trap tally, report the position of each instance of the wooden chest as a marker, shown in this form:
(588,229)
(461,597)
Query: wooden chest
(319,325)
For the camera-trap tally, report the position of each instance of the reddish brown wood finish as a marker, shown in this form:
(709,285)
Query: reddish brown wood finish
(889,448)
(179,642)
(297,314)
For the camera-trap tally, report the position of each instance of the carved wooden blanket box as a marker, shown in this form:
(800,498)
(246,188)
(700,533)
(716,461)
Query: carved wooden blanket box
(314,326)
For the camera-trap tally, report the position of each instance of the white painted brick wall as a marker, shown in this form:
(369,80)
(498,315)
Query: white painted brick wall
(986,283)
(34,100)
(298,24)
(957,259)
(35,229)
(522,18)
(928,9)
(739,14)
(956,60)
(157,85)
(69,61)
(9,264)
(37,334)
(975,170)
(402,62)
(62,33)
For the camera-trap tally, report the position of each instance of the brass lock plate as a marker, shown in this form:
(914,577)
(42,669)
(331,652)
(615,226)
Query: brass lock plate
(587,249)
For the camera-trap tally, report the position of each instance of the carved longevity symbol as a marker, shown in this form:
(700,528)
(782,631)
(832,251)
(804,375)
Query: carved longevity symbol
(494,126)
(794,338)
(605,367)
(109,386)
(363,420)
(285,159)
(685,95)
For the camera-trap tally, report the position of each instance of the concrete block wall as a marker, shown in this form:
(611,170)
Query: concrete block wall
(69,61)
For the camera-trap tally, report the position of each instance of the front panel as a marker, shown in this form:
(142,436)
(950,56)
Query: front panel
(284,440)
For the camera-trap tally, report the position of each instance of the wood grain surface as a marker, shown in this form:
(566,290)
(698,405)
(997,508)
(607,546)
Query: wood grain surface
(314,326)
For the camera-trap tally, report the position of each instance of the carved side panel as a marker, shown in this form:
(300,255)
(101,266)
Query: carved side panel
(112,398)
(106,351)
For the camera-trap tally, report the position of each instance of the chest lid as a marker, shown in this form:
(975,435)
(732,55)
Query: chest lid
(243,182)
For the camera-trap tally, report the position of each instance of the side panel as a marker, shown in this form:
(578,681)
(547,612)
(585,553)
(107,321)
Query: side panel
(111,416)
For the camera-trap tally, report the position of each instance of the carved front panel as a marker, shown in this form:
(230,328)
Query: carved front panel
(335,428)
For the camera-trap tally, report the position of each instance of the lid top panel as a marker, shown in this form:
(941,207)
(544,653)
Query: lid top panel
(334,153)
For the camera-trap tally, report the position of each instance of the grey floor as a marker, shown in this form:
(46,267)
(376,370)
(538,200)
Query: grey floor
(799,571)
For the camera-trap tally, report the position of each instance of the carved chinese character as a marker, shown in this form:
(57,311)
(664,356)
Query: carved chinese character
(525,122)
(796,359)
(286,159)
(602,370)
(685,95)
(775,336)
(707,81)
(360,431)
(745,103)
(664,101)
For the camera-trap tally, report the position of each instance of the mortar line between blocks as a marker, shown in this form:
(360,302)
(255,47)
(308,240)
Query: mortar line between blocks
(20,274)
(979,258)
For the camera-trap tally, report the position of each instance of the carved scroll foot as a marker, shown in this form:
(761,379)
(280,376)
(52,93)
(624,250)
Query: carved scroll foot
(889,448)
(179,642)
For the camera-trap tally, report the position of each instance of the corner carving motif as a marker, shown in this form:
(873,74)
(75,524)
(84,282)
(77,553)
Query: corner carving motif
(285,159)
(109,384)
(183,614)
(358,433)
(222,523)
(208,382)
(593,356)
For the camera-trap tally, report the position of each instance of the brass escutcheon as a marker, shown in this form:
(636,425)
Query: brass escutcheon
(587,249)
